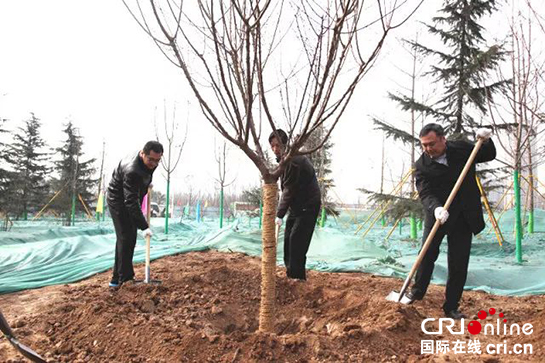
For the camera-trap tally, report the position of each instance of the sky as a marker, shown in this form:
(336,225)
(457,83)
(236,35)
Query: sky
(89,62)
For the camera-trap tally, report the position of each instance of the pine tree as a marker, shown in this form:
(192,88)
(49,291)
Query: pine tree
(29,169)
(464,66)
(75,176)
(321,160)
(463,70)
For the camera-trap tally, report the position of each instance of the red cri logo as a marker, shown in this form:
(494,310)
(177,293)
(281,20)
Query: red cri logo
(474,327)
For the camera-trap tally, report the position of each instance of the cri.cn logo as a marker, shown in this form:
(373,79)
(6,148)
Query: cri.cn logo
(475,327)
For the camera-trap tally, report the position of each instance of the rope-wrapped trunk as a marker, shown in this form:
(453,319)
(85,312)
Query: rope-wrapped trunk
(268,259)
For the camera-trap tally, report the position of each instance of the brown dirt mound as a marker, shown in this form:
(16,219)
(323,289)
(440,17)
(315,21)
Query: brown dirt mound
(206,310)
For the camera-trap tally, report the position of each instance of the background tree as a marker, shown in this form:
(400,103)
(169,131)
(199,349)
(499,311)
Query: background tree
(221,159)
(159,197)
(251,64)
(172,153)
(464,67)
(4,177)
(28,161)
(252,195)
(521,118)
(7,197)
(404,205)
(321,160)
(75,176)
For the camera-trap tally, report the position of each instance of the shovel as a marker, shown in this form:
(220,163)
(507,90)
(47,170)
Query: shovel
(147,279)
(23,349)
(400,296)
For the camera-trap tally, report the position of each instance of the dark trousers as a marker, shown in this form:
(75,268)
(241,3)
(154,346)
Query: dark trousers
(459,247)
(297,236)
(125,231)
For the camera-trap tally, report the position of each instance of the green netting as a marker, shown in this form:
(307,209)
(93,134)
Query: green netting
(36,254)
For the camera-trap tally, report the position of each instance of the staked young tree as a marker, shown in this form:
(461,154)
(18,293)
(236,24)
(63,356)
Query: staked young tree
(521,118)
(258,65)
(404,204)
(3,171)
(172,150)
(6,177)
(75,177)
(29,164)
(221,154)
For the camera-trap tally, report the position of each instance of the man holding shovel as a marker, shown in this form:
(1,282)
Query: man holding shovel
(129,184)
(437,171)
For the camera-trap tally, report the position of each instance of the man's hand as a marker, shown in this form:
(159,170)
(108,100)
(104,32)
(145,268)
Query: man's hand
(484,133)
(441,214)
(278,221)
(147,233)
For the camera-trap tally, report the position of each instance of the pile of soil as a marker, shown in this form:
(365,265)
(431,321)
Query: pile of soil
(206,310)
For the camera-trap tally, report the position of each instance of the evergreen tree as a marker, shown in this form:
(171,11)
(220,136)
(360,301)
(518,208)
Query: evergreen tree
(464,67)
(75,175)
(321,160)
(28,164)
(252,195)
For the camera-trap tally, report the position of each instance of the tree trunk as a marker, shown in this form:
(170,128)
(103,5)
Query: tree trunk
(167,204)
(518,221)
(531,192)
(268,258)
(221,207)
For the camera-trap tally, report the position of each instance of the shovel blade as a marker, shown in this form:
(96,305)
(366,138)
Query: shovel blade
(394,296)
(27,352)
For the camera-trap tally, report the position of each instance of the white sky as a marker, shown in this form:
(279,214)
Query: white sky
(89,62)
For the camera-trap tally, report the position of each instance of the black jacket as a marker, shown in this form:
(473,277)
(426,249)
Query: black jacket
(435,181)
(300,189)
(129,185)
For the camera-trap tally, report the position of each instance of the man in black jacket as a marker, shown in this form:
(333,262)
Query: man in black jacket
(129,185)
(436,173)
(301,196)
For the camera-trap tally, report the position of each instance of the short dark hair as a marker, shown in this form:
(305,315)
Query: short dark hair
(153,146)
(282,134)
(438,129)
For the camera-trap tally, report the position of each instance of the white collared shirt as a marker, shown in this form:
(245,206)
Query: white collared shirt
(441,159)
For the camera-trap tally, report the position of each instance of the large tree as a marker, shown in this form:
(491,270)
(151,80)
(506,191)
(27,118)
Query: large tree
(75,176)
(28,160)
(465,66)
(257,65)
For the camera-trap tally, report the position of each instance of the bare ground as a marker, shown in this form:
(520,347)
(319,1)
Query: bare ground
(206,310)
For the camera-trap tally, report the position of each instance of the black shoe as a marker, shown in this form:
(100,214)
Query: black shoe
(413,296)
(455,314)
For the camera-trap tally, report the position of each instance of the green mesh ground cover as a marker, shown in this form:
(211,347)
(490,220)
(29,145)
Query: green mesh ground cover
(36,254)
